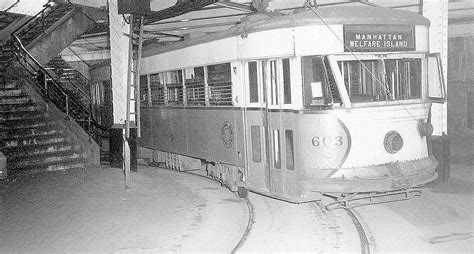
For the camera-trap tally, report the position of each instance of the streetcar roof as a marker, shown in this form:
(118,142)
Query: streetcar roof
(341,15)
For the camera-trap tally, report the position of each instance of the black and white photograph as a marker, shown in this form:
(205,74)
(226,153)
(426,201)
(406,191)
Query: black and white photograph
(236,126)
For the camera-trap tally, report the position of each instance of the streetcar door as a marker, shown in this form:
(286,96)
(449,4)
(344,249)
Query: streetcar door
(258,176)
(279,126)
(269,130)
(272,124)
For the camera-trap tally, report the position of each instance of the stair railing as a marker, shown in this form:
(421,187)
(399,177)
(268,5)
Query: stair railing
(20,31)
(76,107)
(11,6)
(46,83)
(77,86)
(79,82)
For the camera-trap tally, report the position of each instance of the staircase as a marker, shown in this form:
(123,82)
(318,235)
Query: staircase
(77,85)
(45,124)
(54,28)
(6,18)
(30,138)
(48,17)
(71,79)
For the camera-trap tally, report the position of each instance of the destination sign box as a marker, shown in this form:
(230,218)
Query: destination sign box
(365,38)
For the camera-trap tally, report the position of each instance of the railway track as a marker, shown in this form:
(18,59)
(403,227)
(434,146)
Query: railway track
(274,226)
(364,240)
(250,223)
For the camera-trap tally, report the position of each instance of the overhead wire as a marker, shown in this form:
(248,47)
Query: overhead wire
(358,59)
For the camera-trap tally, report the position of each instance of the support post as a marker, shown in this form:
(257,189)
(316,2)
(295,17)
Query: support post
(129,78)
(120,58)
(437,12)
(126,160)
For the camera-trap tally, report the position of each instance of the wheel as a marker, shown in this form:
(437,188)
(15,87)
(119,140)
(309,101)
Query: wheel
(242,192)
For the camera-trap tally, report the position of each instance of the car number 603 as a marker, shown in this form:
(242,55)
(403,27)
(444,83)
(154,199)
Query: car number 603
(327,141)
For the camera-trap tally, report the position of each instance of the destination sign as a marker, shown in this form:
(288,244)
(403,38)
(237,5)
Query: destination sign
(364,38)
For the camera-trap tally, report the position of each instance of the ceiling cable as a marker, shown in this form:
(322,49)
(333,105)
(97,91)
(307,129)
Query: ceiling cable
(357,58)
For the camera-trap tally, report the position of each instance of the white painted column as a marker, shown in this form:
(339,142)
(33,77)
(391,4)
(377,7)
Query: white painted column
(119,59)
(437,12)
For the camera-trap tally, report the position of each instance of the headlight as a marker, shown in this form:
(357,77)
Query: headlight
(425,128)
(393,142)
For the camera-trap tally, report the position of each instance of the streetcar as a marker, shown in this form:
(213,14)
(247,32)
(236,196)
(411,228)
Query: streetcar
(331,101)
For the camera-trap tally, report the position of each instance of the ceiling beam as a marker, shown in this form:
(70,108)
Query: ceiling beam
(180,8)
(199,19)
(235,6)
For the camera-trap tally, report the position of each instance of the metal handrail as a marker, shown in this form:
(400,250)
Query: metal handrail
(73,106)
(46,6)
(22,48)
(75,85)
(11,6)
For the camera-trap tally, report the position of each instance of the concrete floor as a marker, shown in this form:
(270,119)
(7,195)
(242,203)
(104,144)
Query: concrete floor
(90,211)
(166,211)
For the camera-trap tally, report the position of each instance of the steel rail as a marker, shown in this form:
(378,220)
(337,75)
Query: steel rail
(249,227)
(364,240)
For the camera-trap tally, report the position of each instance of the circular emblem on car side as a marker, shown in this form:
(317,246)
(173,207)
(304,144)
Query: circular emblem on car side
(227,134)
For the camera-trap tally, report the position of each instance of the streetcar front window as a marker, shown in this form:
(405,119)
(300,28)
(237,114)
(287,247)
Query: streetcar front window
(382,79)
(319,87)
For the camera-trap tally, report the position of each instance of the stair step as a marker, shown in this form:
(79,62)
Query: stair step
(27,133)
(14,100)
(21,110)
(9,85)
(25,117)
(34,142)
(38,151)
(14,107)
(12,93)
(25,122)
(46,167)
(44,159)
(32,126)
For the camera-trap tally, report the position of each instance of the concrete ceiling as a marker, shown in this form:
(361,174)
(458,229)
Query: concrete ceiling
(223,14)
(220,16)
(25,7)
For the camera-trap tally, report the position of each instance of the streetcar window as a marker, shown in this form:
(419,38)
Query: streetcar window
(157,89)
(276,149)
(174,87)
(256,144)
(106,93)
(382,80)
(144,90)
(436,87)
(219,84)
(319,88)
(290,161)
(195,86)
(253,82)
(286,81)
(273,82)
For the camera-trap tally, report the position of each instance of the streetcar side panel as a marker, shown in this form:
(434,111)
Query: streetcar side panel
(214,135)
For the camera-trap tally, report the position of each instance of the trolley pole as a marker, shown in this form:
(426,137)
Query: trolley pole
(126,159)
